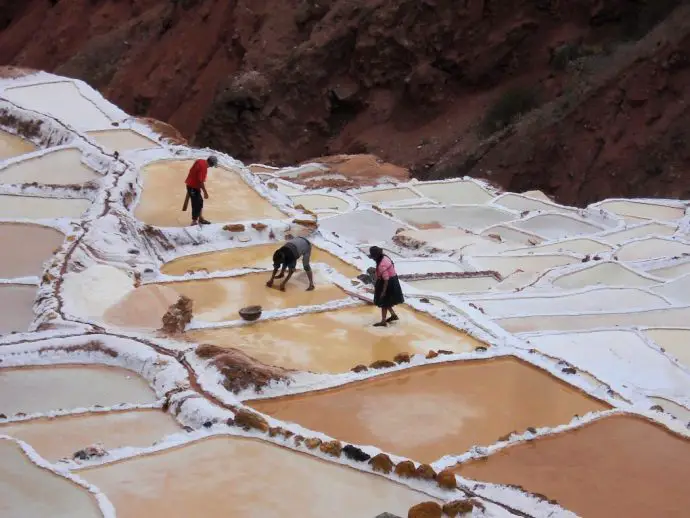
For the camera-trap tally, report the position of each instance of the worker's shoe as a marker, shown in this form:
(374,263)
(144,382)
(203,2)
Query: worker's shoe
(203,221)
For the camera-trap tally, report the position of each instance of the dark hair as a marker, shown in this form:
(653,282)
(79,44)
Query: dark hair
(212,161)
(278,258)
(376,253)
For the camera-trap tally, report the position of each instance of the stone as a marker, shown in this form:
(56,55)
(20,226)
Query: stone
(443,351)
(387,515)
(406,469)
(458,507)
(402,358)
(382,364)
(425,472)
(249,420)
(359,368)
(178,316)
(381,463)
(309,223)
(259,226)
(356,454)
(446,479)
(425,510)
(332,448)
(298,440)
(90,452)
(431,355)
(235,227)
(312,443)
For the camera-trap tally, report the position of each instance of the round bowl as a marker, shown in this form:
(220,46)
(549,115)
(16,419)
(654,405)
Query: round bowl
(250,313)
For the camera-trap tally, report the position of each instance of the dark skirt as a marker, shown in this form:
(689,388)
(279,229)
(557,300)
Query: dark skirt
(393,296)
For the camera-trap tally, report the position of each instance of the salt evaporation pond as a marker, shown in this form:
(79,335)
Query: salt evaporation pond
(122,140)
(61,167)
(34,207)
(457,192)
(242,477)
(428,412)
(12,145)
(17,307)
(25,248)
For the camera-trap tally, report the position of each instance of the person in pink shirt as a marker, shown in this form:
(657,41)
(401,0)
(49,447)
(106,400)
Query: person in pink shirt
(387,290)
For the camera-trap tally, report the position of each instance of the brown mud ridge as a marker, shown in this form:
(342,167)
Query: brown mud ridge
(420,84)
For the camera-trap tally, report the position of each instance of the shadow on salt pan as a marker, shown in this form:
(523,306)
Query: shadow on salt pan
(27,490)
(61,167)
(620,358)
(233,476)
(62,100)
(431,411)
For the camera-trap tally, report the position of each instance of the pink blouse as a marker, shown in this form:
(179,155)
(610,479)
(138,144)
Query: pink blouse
(386,269)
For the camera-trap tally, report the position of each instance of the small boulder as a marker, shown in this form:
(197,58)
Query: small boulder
(356,454)
(90,452)
(381,463)
(406,469)
(332,448)
(382,364)
(402,358)
(443,351)
(458,507)
(312,443)
(274,431)
(259,226)
(446,479)
(235,227)
(431,355)
(359,368)
(249,420)
(425,472)
(178,316)
(425,510)
(299,440)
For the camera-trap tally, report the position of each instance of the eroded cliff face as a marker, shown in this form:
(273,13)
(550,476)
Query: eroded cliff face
(421,83)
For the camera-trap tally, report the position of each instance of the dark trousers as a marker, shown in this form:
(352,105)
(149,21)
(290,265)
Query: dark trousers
(197,201)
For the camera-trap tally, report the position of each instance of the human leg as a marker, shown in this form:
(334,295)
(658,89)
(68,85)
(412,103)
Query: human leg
(197,203)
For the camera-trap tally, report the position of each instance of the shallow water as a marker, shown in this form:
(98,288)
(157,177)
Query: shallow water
(63,101)
(427,412)
(617,466)
(42,389)
(622,236)
(27,491)
(606,274)
(33,207)
(507,264)
(336,341)
(468,217)
(230,197)
(12,145)
(636,210)
(16,307)
(223,477)
(577,245)
(651,248)
(26,248)
(217,300)
(316,202)
(260,256)
(58,438)
(388,195)
(122,140)
(556,226)
(456,285)
(460,192)
(142,308)
(62,167)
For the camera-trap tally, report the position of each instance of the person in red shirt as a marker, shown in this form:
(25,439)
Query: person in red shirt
(196,184)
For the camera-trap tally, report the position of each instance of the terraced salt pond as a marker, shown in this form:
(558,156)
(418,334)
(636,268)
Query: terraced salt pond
(17,307)
(61,167)
(25,248)
(576,245)
(112,430)
(625,465)
(511,235)
(362,226)
(319,202)
(122,140)
(556,226)
(507,264)
(427,412)
(57,496)
(674,340)
(639,231)
(62,100)
(455,284)
(217,300)
(33,207)
(388,195)
(454,239)
(299,342)
(12,145)
(468,217)
(260,256)
(41,389)
(521,203)
(636,210)
(230,197)
(603,273)
(458,192)
(248,478)
(651,248)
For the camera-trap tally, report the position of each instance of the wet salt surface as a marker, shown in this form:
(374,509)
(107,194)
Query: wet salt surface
(616,466)
(242,477)
(62,167)
(51,496)
(388,195)
(122,140)
(16,307)
(455,285)
(12,145)
(230,198)
(33,207)
(112,430)
(336,341)
(675,341)
(427,412)
(216,300)
(576,245)
(467,217)
(42,389)
(459,192)
(636,210)
(605,274)
(260,256)
(25,248)
(316,202)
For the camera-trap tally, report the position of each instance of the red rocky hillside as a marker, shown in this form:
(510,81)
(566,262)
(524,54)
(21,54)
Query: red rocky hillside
(583,99)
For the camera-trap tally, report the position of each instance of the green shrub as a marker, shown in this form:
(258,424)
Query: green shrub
(508,107)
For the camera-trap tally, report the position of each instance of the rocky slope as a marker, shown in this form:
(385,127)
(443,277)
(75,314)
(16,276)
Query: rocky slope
(427,84)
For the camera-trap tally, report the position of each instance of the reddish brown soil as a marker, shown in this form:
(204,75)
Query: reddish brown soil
(407,80)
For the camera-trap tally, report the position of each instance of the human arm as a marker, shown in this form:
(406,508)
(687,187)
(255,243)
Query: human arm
(203,189)
(284,283)
(273,276)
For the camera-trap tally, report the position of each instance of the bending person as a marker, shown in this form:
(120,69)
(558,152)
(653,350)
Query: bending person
(387,291)
(285,258)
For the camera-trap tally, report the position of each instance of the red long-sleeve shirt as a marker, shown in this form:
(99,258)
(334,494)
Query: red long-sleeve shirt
(197,174)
